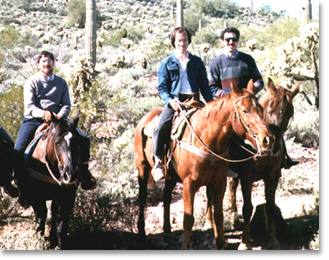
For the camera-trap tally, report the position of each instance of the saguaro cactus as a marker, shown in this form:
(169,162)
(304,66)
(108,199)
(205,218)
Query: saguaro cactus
(90,30)
(179,14)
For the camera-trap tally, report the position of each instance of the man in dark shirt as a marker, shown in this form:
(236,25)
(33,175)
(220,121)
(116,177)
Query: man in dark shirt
(239,68)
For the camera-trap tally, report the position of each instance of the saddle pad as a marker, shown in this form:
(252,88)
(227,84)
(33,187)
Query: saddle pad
(29,150)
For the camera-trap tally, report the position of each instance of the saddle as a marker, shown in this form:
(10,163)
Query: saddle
(179,123)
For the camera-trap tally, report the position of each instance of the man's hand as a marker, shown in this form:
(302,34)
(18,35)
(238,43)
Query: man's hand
(174,103)
(47,116)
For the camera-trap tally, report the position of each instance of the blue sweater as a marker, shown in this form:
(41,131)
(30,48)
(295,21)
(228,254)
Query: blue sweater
(239,70)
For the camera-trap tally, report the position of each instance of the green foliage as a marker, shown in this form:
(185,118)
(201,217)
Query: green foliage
(113,38)
(76,10)
(304,130)
(11,111)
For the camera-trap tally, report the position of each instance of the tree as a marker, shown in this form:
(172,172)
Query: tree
(298,59)
(90,30)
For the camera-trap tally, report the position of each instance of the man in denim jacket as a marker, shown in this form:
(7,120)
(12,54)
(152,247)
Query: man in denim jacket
(181,76)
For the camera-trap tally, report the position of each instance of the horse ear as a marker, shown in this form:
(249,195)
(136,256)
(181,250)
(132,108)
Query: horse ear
(76,118)
(295,89)
(234,88)
(54,118)
(271,86)
(251,86)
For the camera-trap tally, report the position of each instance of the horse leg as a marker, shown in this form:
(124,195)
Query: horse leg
(40,213)
(233,184)
(218,196)
(144,171)
(54,219)
(270,188)
(188,221)
(167,196)
(247,212)
(65,207)
(209,216)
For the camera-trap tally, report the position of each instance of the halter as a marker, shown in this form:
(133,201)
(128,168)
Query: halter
(247,128)
(244,125)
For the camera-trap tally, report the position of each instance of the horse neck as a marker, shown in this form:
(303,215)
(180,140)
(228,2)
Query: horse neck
(213,123)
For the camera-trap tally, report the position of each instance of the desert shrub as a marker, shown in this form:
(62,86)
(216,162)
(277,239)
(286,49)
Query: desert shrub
(192,20)
(304,130)
(102,211)
(76,10)
(113,37)
(135,33)
(206,35)
(11,111)
(8,207)
(27,239)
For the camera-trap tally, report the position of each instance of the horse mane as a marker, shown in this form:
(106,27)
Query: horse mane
(215,105)
(63,125)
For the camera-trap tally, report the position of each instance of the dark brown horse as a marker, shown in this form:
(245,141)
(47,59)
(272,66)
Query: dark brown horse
(6,163)
(278,111)
(198,158)
(52,175)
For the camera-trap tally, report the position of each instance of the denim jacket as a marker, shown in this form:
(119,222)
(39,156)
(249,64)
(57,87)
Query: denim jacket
(169,78)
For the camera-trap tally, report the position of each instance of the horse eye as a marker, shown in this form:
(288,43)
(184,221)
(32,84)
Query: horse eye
(245,111)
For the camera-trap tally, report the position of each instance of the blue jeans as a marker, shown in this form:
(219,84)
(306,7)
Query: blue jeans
(26,135)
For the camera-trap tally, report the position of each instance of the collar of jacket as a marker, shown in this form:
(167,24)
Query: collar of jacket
(174,58)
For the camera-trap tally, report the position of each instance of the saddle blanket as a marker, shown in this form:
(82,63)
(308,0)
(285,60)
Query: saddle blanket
(29,150)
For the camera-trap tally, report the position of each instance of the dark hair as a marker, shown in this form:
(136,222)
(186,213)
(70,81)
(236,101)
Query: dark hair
(230,30)
(180,30)
(45,54)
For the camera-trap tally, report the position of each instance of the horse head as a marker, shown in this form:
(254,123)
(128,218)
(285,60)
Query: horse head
(278,107)
(63,150)
(248,121)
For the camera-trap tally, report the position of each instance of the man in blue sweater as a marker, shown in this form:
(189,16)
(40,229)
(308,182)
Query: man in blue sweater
(45,94)
(239,68)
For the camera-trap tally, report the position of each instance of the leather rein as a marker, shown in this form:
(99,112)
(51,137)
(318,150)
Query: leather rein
(218,156)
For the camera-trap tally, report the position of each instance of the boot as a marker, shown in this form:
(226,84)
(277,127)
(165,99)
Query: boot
(157,171)
(88,182)
(287,162)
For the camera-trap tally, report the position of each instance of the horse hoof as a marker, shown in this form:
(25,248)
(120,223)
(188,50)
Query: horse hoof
(244,246)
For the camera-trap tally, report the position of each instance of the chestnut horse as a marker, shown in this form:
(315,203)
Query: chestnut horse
(197,159)
(278,110)
(52,175)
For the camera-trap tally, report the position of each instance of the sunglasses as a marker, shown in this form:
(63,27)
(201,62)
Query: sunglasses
(234,39)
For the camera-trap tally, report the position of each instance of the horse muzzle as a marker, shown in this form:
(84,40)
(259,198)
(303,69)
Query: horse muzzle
(67,177)
(266,144)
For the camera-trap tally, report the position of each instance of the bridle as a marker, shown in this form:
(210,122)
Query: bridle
(62,179)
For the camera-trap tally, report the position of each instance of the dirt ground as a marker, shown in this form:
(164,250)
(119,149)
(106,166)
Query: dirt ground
(296,204)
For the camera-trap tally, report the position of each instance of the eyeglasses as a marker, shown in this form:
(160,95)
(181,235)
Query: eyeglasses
(234,39)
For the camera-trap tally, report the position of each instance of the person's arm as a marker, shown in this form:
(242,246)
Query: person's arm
(204,84)
(30,107)
(256,77)
(214,80)
(164,83)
